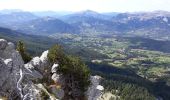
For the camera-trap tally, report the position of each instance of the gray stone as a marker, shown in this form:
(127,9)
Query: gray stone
(95,90)
(3,44)
(54,68)
(56,78)
(16,78)
(36,61)
(43,57)
(9,63)
(57,92)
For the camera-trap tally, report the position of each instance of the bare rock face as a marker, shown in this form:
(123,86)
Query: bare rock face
(44,58)
(57,78)
(36,61)
(10,63)
(18,80)
(95,90)
(35,69)
(3,44)
(15,77)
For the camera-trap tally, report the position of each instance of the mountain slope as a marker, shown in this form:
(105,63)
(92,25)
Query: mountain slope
(155,25)
(46,25)
(149,24)
(51,13)
(82,14)
(89,22)
(9,19)
(36,44)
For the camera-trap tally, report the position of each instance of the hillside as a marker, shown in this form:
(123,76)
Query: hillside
(125,62)
(35,44)
(44,77)
(13,18)
(130,51)
(154,25)
(46,26)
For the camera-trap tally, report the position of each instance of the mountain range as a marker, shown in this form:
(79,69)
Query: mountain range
(46,26)
(154,24)
(129,50)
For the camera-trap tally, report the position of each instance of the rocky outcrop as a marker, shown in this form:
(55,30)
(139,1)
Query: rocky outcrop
(10,64)
(95,90)
(16,78)
(23,81)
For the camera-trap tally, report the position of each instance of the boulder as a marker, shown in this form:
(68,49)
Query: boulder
(3,44)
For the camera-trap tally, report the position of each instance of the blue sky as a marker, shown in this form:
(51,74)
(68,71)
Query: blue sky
(79,5)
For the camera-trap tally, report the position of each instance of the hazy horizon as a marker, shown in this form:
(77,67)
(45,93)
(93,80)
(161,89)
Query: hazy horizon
(82,5)
(64,11)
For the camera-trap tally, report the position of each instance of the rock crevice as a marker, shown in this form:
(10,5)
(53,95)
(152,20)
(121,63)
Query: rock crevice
(19,81)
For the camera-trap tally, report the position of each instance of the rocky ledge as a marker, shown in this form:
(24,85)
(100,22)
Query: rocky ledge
(19,81)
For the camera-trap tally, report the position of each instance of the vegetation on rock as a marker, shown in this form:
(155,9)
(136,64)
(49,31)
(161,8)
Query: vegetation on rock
(75,72)
(22,50)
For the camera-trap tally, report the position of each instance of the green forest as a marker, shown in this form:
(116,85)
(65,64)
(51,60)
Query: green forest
(132,68)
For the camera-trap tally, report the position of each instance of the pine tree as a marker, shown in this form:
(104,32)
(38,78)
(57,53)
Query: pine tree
(56,54)
(73,69)
(21,48)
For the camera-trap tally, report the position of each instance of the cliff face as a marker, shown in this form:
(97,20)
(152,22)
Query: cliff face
(21,81)
(10,64)
(18,81)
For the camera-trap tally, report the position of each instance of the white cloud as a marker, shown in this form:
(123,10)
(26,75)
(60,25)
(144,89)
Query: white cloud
(77,5)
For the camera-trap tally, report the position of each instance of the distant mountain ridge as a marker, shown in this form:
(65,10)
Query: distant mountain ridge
(12,19)
(46,26)
(154,24)
(55,14)
(85,14)
(17,16)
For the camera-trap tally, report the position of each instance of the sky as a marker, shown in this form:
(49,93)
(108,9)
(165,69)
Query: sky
(79,5)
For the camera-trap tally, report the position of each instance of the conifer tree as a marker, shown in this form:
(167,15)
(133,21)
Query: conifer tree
(21,48)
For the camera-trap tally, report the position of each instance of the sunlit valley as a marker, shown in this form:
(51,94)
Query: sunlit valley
(84,55)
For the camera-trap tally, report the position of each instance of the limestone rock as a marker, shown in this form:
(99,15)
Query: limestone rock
(10,46)
(29,66)
(3,44)
(36,61)
(57,92)
(10,63)
(43,57)
(56,77)
(95,90)
(3,72)
(16,78)
(11,66)
(99,87)
(54,68)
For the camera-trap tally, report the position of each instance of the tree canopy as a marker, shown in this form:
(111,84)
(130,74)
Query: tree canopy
(70,66)
(22,50)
